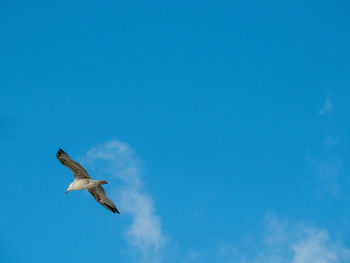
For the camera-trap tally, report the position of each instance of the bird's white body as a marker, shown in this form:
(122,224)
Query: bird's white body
(80,184)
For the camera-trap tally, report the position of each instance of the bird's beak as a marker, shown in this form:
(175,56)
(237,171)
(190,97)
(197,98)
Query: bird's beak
(66,191)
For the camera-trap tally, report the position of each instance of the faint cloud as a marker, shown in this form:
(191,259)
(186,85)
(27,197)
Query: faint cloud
(315,247)
(229,251)
(117,159)
(328,172)
(327,107)
(194,255)
(324,160)
(331,141)
(289,242)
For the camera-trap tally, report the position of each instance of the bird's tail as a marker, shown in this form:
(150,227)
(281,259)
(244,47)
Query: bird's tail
(102,182)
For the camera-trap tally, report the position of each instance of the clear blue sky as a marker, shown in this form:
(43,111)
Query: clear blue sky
(237,115)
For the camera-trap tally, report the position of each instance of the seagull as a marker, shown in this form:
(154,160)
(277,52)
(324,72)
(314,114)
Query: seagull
(82,180)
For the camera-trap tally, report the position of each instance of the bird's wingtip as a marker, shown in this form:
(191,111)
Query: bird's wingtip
(59,152)
(111,208)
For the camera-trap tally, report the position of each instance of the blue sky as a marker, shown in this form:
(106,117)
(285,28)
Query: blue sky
(222,129)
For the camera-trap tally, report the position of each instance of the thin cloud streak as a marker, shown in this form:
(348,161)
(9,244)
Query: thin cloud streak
(328,167)
(327,107)
(117,159)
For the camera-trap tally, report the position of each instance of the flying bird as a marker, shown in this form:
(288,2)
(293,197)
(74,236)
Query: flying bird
(82,180)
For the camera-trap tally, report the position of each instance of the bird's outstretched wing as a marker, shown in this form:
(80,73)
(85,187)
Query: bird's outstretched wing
(100,196)
(78,171)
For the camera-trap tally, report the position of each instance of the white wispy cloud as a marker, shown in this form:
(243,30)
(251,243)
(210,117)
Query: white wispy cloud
(327,107)
(289,242)
(117,159)
(315,247)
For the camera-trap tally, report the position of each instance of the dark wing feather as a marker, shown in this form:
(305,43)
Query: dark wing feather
(100,196)
(78,171)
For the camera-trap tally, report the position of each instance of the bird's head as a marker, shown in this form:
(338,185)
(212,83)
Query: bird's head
(69,189)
